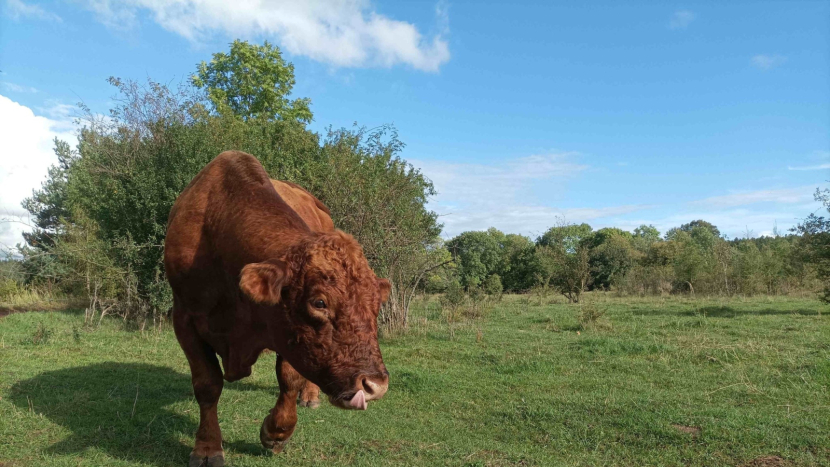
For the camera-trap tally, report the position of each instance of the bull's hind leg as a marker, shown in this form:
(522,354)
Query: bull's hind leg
(207,381)
(309,395)
(279,425)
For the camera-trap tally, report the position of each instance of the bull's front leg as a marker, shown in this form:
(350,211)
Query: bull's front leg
(309,395)
(279,425)
(207,387)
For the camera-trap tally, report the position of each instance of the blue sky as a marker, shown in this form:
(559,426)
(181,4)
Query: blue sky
(610,113)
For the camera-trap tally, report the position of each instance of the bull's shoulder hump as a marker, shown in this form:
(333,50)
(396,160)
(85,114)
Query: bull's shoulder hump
(319,204)
(238,166)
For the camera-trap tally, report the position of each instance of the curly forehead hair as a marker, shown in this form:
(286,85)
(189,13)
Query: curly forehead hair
(330,251)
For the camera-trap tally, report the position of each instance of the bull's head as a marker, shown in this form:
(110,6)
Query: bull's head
(327,300)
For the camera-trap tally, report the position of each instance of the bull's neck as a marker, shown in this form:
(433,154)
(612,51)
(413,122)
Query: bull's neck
(278,232)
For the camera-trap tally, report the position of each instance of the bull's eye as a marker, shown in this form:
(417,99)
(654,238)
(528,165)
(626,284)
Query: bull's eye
(319,303)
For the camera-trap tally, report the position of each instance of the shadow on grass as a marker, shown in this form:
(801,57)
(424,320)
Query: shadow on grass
(119,408)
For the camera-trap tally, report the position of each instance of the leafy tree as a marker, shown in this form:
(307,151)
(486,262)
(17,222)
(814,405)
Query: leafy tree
(565,236)
(563,254)
(747,264)
(492,286)
(252,81)
(691,226)
(436,279)
(611,256)
(568,273)
(454,295)
(599,237)
(49,206)
(689,260)
(477,255)
(521,266)
(644,237)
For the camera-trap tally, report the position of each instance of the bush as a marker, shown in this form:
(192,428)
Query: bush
(454,295)
(492,286)
(479,303)
(8,288)
(589,316)
(435,283)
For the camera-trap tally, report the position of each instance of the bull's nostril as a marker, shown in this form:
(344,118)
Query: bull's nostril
(369,387)
(374,388)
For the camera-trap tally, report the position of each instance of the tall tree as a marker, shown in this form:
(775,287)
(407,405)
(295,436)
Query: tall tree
(563,254)
(520,267)
(691,226)
(644,237)
(252,81)
(610,255)
(48,205)
(566,236)
(477,255)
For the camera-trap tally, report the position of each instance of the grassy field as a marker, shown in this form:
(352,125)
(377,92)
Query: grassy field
(652,382)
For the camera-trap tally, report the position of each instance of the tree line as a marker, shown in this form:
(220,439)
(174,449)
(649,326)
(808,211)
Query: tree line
(693,258)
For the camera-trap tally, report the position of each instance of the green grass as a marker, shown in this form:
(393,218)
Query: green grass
(523,385)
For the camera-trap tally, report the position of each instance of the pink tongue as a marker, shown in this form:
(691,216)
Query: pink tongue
(359,401)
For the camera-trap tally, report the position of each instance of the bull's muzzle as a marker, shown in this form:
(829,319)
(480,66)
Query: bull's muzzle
(369,388)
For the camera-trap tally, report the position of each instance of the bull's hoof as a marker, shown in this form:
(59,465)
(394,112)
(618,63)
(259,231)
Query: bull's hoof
(274,445)
(203,461)
(310,404)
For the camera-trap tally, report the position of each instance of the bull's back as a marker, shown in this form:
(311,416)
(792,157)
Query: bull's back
(227,216)
(307,206)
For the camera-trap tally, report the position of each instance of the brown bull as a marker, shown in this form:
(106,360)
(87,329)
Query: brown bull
(248,274)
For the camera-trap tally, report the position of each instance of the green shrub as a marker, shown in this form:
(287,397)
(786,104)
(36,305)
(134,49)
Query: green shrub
(492,286)
(8,288)
(589,316)
(479,303)
(454,295)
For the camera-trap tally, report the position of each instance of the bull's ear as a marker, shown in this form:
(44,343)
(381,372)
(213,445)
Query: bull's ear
(263,282)
(385,287)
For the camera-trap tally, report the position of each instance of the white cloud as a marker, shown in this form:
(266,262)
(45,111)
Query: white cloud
(766,62)
(18,88)
(478,196)
(473,183)
(17,9)
(784,196)
(343,33)
(681,19)
(27,154)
